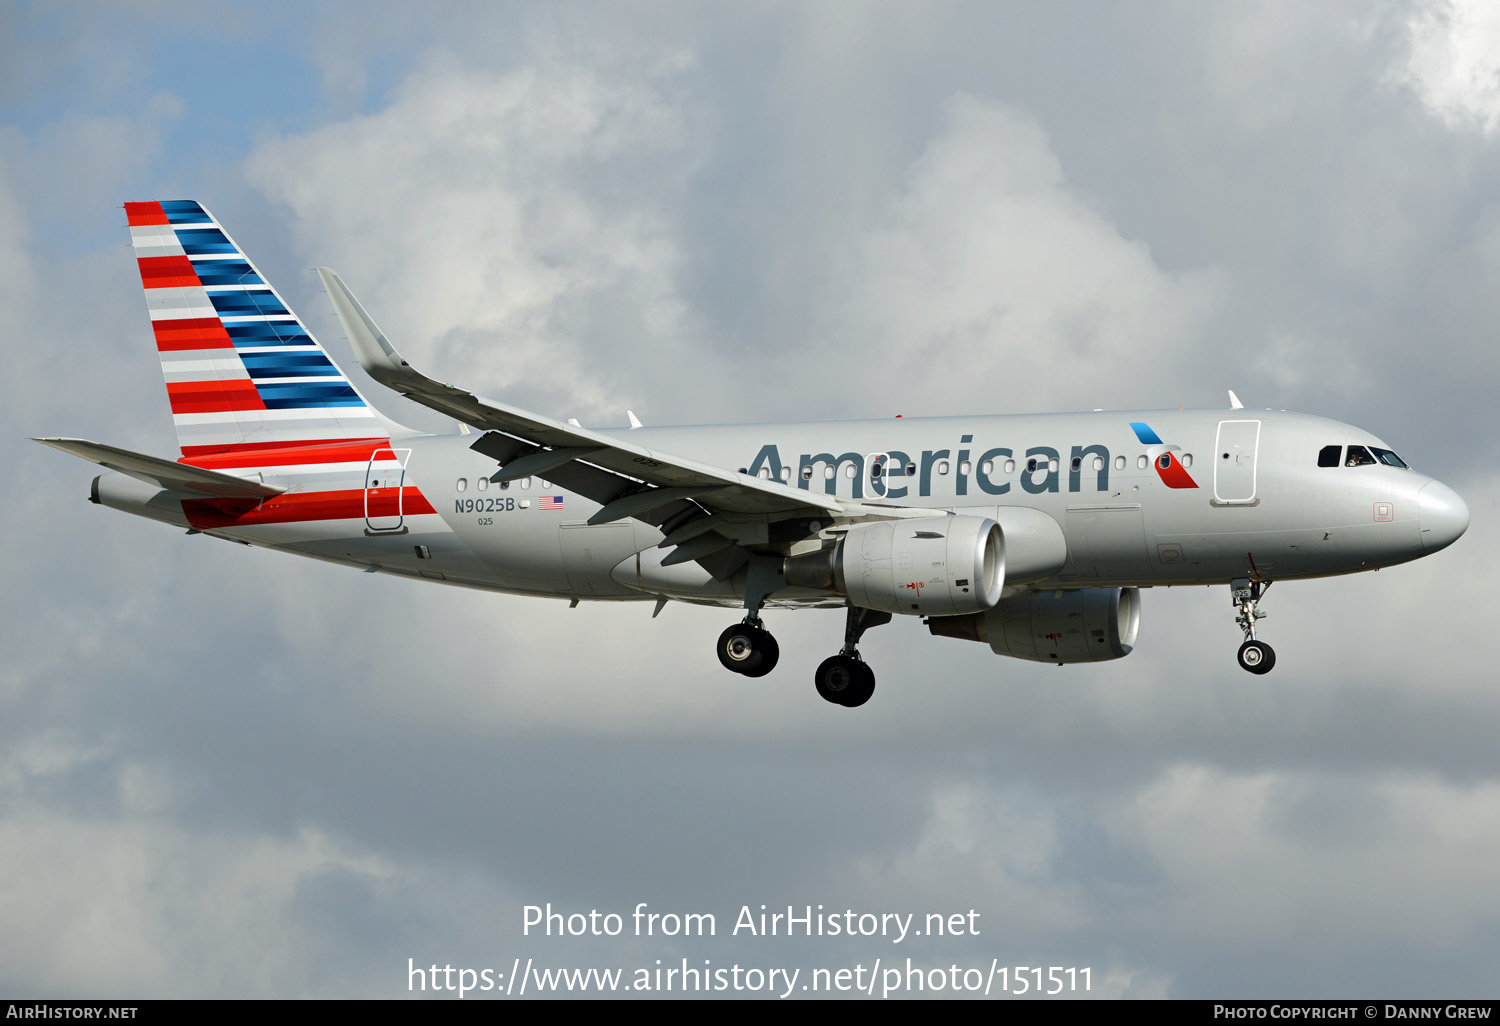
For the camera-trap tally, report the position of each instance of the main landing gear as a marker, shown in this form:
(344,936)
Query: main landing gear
(1255,656)
(846,679)
(749,648)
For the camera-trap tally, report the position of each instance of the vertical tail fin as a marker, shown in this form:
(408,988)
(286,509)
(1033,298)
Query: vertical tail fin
(242,371)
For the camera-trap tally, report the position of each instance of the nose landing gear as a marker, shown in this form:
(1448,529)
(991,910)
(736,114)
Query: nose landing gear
(1255,656)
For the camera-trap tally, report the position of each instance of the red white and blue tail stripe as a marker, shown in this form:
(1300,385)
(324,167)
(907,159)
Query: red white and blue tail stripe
(242,371)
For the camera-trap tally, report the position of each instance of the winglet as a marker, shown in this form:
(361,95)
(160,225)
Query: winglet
(375,353)
(635,421)
(1234,401)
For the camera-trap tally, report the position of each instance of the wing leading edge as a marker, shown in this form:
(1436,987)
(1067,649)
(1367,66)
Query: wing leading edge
(627,480)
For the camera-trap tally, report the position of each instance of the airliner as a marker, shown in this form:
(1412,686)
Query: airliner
(1032,534)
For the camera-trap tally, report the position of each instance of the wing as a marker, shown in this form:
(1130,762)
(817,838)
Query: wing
(627,480)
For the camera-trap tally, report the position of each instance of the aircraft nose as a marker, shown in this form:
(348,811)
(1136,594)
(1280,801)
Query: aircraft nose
(1441,514)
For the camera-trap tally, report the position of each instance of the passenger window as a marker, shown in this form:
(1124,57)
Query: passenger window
(463,483)
(987,467)
(1076,465)
(963,468)
(1010,466)
(1187,459)
(1389,458)
(525,482)
(848,470)
(482,483)
(807,473)
(942,467)
(1031,465)
(1328,456)
(911,470)
(1119,462)
(1052,466)
(786,473)
(828,472)
(764,474)
(1140,462)
(1359,456)
(1164,460)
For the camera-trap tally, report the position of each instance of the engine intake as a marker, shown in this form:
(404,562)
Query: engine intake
(1085,625)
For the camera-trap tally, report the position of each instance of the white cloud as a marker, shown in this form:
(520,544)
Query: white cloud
(478,217)
(986,280)
(1454,65)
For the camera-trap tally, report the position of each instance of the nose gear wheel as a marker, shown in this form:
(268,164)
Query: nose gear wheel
(1245,594)
(1257,657)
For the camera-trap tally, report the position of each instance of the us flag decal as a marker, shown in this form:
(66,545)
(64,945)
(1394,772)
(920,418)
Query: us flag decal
(549,502)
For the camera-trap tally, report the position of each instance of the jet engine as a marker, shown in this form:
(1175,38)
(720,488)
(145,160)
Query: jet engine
(1079,626)
(931,566)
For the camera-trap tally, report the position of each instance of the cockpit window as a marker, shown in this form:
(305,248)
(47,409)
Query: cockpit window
(1359,456)
(1389,458)
(1328,456)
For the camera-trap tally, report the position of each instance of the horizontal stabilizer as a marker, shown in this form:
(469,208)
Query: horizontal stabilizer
(175,477)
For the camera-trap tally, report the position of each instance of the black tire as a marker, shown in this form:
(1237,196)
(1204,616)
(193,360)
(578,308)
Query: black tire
(1256,657)
(863,688)
(770,653)
(741,648)
(834,677)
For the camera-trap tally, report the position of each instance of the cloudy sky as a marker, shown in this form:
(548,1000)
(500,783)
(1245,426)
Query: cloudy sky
(226,772)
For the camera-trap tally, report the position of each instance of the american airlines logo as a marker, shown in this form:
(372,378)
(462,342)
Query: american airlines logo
(971,469)
(1163,457)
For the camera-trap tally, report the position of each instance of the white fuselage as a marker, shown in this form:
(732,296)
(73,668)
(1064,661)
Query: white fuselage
(1244,497)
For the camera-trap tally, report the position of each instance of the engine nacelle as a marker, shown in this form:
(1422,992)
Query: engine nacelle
(1080,626)
(932,566)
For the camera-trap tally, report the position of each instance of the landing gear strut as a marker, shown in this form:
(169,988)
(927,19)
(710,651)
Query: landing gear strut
(846,679)
(1255,656)
(749,648)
